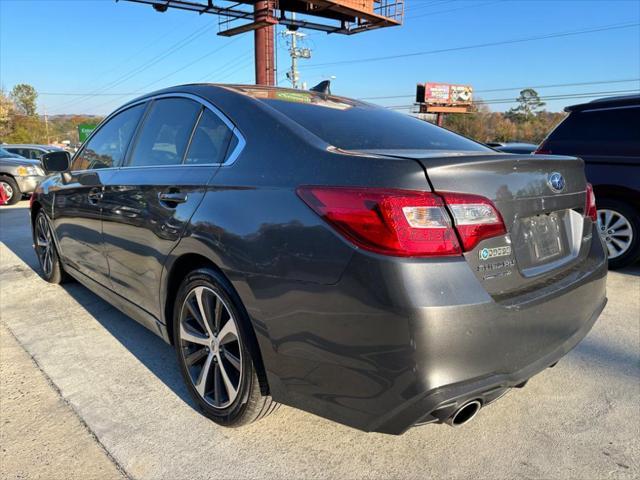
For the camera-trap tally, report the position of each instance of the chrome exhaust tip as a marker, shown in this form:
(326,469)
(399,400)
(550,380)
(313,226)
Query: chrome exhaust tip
(464,414)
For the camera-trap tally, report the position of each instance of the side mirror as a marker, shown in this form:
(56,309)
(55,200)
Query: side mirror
(57,161)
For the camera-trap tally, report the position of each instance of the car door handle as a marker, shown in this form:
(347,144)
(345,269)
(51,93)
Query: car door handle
(95,195)
(172,198)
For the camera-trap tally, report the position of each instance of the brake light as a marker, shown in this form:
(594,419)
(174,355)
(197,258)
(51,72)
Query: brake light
(31,199)
(475,218)
(402,223)
(590,209)
(405,223)
(542,149)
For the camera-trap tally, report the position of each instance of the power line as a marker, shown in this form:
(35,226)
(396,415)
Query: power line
(601,28)
(557,85)
(466,7)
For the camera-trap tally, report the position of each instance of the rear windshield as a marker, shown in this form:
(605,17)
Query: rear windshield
(357,126)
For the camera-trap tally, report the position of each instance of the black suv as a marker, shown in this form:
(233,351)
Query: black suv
(605,133)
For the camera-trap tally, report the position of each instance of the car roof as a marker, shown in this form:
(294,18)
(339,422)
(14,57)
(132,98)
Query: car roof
(606,102)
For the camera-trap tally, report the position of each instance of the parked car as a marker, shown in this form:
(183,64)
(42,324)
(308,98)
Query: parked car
(302,248)
(32,151)
(514,147)
(605,133)
(18,175)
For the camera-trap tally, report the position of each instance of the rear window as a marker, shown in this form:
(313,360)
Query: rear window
(598,132)
(357,126)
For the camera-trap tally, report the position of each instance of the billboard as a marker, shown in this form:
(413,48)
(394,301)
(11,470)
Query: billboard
(444,94)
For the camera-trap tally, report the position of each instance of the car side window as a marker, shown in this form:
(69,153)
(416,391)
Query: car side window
(210,140)
(108,146)
(165,133)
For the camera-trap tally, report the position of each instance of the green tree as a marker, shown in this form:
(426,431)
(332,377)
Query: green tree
(6,115)
(529,104)
(24,96)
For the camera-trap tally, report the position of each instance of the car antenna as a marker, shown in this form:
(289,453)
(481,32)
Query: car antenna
(324,87)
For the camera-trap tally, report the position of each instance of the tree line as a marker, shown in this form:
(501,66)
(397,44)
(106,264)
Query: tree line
(20,122)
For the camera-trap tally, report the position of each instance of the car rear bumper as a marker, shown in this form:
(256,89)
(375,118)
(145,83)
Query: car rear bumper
(399,342)
(29,183)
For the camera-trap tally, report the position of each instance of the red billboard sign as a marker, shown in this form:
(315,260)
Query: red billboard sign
(444,94)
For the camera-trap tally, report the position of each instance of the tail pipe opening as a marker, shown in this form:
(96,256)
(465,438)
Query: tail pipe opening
(464,414)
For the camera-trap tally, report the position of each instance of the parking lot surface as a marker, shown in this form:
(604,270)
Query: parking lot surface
(580,419)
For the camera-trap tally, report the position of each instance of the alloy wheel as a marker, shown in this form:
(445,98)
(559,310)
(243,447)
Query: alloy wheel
(8,190)
(616,231)
(44,245)
(210,347)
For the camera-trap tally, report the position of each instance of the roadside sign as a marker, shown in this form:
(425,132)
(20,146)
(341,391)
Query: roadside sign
(444,94)
(84,130)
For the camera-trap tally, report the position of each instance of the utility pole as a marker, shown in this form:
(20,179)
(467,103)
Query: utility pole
(295,52)
(46,124)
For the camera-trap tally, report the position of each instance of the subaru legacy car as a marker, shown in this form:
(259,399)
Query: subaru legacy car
(306,249)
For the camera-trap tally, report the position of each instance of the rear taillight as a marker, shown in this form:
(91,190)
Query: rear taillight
(590,209)
(405,223)
(31,199)
(475,218)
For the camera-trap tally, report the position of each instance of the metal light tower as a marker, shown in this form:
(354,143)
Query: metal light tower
(295,52)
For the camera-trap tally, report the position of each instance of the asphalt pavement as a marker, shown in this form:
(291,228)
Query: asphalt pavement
(580,419)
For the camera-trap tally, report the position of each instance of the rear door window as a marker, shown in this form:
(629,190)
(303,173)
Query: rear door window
(210,140)
(165,133)
(611,131)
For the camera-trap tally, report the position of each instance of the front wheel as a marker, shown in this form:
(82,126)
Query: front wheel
(50,266)
(619,227)
(11,189)
(211,338)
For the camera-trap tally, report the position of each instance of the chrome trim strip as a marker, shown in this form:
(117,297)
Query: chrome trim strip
(231,158)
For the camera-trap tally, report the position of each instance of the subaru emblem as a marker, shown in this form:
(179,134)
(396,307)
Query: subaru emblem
(556,182)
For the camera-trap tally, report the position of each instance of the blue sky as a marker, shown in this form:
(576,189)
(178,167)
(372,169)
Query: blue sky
(121,49)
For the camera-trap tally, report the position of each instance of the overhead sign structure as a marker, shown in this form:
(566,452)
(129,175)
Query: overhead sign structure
(84,130)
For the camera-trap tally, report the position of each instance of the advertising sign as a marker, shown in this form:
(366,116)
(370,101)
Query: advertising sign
(445,94)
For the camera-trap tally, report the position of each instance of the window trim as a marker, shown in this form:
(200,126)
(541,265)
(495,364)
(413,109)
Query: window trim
(230,157)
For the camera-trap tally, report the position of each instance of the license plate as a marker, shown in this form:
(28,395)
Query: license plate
(544,233)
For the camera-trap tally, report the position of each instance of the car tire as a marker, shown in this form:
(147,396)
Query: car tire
(11,189)
(50,266)
(619,227)
(228,391)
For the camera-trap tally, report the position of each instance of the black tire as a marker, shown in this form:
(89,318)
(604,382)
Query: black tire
(632,216)
(50,266)
(15,195)
(249,404)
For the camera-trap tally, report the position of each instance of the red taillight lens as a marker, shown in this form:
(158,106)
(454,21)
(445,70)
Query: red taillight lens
(542,149)
(392,222)
(475,218)
(406,223)
(31,199)
(590,209)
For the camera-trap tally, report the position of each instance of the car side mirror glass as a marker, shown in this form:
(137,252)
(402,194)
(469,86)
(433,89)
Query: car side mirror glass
(57,161)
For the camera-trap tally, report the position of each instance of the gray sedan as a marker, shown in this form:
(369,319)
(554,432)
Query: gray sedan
(18,175)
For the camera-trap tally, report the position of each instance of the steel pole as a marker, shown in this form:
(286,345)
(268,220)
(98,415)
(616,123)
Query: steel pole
(263,46)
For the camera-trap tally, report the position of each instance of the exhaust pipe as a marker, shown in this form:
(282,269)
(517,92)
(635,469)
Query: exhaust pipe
(464,414)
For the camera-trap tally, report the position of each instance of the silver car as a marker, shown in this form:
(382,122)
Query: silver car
(18,175)
(30,150)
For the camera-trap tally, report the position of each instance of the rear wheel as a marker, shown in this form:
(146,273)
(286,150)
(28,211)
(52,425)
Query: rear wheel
(619,227)
(11,189)
(211,338)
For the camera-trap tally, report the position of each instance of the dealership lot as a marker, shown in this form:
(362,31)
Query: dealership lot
(578,420)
